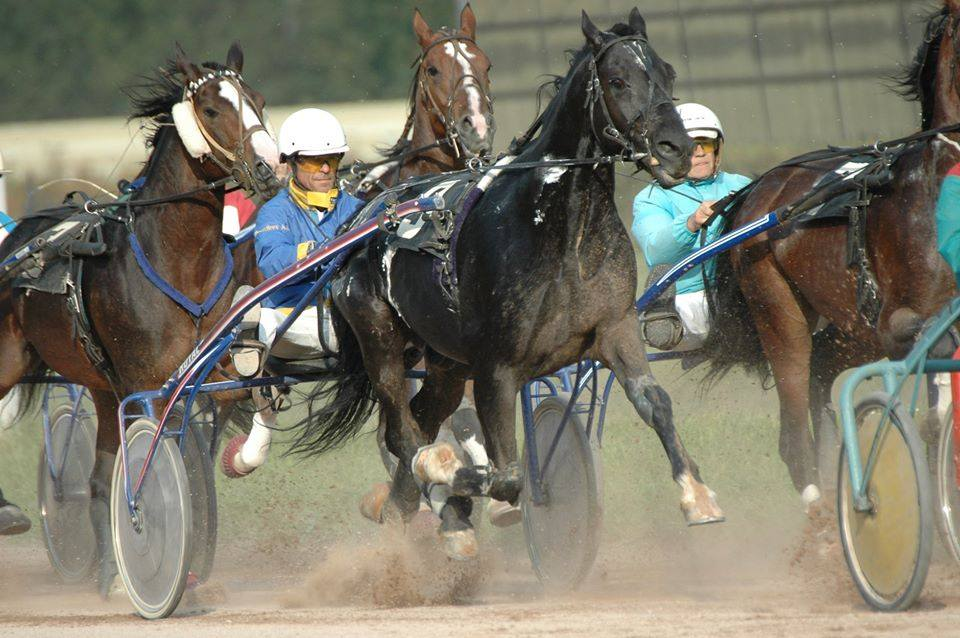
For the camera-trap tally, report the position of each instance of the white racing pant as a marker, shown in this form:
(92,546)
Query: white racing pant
(301,341)
(695,315)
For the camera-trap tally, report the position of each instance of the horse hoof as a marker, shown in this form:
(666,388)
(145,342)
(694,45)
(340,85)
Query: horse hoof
(228,460)
(460,544)
(506,484)
(811,499)
(13,520)
(436,463)
(105,579)
(424,524)
(503,514)
(699,504)
(371,505)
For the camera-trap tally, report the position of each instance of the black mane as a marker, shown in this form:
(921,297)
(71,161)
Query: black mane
(916,82)
(153,96)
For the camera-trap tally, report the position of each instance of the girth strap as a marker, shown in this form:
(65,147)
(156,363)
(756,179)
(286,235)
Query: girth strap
(196,310)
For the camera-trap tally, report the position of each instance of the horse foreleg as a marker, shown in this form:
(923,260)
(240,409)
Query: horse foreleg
(620,348)
(495,392)
(101,481)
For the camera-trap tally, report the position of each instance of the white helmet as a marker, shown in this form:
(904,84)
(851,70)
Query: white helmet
(312,132)
(698,120)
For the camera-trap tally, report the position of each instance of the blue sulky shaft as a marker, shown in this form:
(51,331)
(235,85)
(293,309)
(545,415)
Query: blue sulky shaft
(709,251)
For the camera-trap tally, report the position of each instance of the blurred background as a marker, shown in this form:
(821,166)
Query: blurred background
(785,76)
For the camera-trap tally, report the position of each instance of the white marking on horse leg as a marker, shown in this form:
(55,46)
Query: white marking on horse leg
(254,452)
(811,494)
(477,452)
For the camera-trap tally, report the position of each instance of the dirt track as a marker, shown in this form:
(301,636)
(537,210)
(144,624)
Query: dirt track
(731,583)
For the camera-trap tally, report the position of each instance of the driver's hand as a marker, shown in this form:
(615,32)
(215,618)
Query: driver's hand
(700,216)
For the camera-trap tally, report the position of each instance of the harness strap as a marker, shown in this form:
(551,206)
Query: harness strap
(196,310)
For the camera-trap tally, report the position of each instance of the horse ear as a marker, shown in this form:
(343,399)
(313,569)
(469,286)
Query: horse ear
(468,22)
(235,57)
(637,23)
(185,66)
(594,37)
(422,29)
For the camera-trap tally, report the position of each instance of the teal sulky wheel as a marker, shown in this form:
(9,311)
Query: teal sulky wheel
(888,547)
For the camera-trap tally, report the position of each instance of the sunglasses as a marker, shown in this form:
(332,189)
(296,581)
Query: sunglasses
(315,164)
(708,144)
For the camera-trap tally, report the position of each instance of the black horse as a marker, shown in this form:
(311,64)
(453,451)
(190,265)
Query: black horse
(546,276)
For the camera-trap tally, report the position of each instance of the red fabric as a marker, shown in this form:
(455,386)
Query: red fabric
(955,171)
(245,207)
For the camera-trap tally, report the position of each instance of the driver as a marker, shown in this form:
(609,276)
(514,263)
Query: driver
(302,216)
(948,220)
(667,221)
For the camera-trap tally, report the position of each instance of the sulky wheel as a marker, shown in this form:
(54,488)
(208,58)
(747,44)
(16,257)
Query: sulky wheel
(888,548)
(63,492)
(948,494)
(203,494)
(153,547)
(563,532)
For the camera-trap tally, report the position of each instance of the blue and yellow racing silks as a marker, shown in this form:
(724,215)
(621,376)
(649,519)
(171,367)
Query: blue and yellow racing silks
(660,222)
(286,232)
(948,220)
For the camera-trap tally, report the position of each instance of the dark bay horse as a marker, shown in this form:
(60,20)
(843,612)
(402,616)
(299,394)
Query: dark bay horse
(547,276)
(208,125)
(773,290)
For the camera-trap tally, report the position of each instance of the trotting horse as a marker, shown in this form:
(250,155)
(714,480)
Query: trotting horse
(208,127)
(773,290)
(547,276)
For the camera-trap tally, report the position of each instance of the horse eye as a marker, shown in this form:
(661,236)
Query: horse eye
(209,112)
(617,83)
(432,70)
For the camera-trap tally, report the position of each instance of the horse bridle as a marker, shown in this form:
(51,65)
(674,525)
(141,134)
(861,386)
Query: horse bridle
(610,132)
(252,177)
(446,115)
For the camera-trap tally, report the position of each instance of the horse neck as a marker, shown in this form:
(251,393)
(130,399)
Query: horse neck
(569,135)
(946,106)
(434,160)
(182,239)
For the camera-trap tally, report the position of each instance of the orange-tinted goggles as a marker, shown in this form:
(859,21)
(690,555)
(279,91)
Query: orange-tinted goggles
(708,144)
(315,164)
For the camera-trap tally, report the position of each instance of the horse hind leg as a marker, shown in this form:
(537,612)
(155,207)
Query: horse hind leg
(620,348)
(101,481)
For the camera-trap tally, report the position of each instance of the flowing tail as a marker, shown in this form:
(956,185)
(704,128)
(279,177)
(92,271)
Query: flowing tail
(341,404)
(733,340)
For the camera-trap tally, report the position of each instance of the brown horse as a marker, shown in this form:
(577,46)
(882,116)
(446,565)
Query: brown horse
(141,331)
(450,116)
(774,289)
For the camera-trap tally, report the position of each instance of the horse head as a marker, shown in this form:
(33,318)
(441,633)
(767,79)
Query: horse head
(631,93)
(221,123)
(453,83)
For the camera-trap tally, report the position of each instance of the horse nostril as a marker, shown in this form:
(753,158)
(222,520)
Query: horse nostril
(468,121)
(667,149)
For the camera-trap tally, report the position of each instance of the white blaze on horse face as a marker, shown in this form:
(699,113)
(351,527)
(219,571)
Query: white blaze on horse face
(263,145)
(462,57)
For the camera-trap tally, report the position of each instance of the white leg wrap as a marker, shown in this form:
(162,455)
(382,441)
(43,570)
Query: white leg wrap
(944,397)
(254,452)
(810,495)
